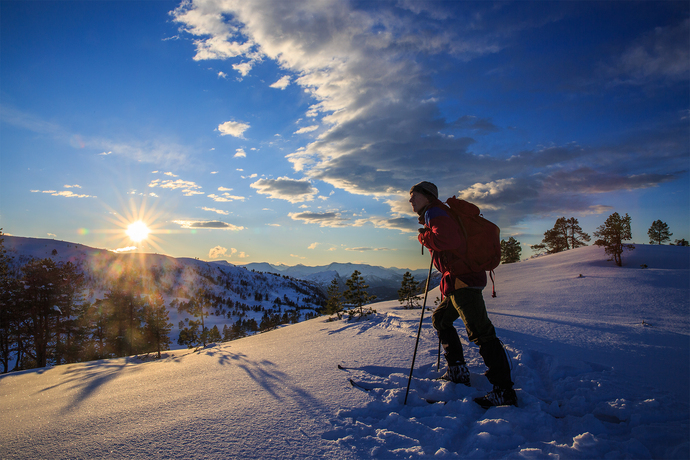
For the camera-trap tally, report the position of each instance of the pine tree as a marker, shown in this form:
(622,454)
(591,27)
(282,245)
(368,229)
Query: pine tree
(334,303)
(9,290)
(199,306)
(510,251)
(356,292)
(658,233)
(575,236)
(157,326)
(612,234)
(565,234)
(70,334)
(556,239)
(125,313)
(214,335)
(407,294)
(682,242)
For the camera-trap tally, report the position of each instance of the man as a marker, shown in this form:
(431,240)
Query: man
(461,294)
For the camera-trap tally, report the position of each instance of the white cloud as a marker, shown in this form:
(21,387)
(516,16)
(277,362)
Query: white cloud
(233,128)
(222,75)
(72,186)
(324,219)
(205,224)
(313,245)
(284,188)
(220,252)
(63,193)
(243,68)
(240,153)
(189,188)
(217,211)
(127,249)
(366,249)
(283,83)
(225,197)
(307,129)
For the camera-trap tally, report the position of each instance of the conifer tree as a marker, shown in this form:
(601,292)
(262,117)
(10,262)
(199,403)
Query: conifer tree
(214,335)
(510,251)
(407,294)
(556,238)
(575,236)
(70,333)
(46,300)
(157,326)
(124,310)
(9,290)
(682,242)
(199,306)
(334,303)
(658,233)
(565,234)
(611,235)
(356,292)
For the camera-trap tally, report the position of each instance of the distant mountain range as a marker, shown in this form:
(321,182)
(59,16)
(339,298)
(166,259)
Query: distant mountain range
(382,282)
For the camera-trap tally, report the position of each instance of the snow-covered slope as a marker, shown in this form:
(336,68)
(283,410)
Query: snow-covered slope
(175,279)
(601,365)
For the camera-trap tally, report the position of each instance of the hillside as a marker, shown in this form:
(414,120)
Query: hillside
(239,294)
(601,364)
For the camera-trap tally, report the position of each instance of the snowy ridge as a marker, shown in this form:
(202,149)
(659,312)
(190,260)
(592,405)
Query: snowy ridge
(383,282)
(600,361)
(174,278)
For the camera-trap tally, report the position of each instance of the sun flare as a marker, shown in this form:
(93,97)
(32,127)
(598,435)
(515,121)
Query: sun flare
(137,231)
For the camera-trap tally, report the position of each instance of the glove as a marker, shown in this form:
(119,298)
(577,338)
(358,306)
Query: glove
(423,232)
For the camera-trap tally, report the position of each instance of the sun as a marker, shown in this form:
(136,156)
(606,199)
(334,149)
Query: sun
(137,231)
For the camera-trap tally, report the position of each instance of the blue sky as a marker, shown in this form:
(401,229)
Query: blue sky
(291,132)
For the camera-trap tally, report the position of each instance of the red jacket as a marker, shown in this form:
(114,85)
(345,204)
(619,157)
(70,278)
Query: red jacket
(444,238)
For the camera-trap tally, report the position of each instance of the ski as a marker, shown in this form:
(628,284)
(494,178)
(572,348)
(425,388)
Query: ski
(359,385)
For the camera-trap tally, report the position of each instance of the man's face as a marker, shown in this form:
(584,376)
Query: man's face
(418,201)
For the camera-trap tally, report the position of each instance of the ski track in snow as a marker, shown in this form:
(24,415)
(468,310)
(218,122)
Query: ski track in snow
(600,364)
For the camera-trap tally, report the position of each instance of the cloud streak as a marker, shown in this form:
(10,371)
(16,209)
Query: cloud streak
(382,125)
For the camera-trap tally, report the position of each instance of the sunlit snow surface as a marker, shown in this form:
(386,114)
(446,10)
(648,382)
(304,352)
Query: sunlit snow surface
(601,364)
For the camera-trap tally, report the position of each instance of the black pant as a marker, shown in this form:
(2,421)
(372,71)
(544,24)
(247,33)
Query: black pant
(468,304)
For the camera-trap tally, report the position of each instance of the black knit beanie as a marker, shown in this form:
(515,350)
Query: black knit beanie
(426,188)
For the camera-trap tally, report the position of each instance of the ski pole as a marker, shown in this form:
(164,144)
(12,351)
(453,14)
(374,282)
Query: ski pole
(419,329)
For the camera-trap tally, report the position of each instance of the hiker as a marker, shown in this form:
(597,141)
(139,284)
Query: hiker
(461,295)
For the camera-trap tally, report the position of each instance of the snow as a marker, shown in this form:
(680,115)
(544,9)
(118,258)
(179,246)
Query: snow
(601,364)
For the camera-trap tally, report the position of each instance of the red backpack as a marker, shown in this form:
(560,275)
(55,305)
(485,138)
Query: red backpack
(482,236)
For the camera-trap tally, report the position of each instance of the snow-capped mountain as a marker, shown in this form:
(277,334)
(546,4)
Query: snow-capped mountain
(251,294)
(382,282)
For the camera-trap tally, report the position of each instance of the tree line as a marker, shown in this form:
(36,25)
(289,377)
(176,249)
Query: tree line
(46,318)
(567,234)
